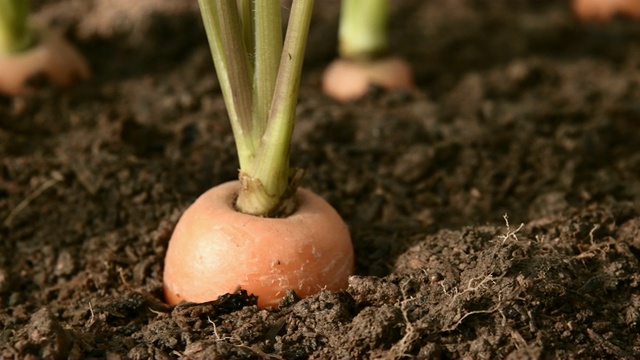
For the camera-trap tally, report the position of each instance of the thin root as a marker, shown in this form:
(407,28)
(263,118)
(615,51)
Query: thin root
(55,178)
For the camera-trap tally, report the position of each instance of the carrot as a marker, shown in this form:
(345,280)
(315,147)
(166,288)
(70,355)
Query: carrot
(363,60)
(53,57)
(346,80)
(261,233)
(215,250)
(604,10)
(25,53)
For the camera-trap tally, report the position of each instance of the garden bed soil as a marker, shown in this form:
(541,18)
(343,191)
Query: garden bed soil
(493,210)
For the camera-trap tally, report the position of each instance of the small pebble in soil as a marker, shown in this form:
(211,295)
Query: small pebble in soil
(64,264)
(435,277)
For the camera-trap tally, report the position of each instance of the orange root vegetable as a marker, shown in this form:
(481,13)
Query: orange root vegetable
(604,10)
(346,80)
(52,57)
(215,250)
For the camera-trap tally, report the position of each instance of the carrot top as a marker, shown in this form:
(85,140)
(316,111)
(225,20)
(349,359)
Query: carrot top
(260,76)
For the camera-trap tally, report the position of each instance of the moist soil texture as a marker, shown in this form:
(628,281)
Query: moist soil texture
(494,209)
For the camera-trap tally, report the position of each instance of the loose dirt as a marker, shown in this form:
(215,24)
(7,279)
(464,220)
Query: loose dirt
(494,210)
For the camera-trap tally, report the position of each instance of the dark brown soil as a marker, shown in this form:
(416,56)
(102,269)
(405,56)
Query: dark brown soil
(521,111)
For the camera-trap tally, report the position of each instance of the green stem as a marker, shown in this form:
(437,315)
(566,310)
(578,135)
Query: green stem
(246,9)
(363,28)
(260,97)
(223,26)
(271,184)
(268,40)
(15,34)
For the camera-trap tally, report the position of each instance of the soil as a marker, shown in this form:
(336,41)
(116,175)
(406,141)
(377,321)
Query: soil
(494,210)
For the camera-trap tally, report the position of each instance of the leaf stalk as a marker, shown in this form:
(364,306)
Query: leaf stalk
(362,33)
(260,86)
(15,34)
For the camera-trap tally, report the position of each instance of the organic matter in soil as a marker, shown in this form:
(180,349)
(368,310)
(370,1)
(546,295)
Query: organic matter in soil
(519,109)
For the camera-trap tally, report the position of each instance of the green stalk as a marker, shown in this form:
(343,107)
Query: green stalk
(260,97)
(363,28)
(15,34)
(246,9)
(276,182)
(268,40)
(222,24)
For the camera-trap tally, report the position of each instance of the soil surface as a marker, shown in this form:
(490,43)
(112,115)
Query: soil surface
(494,210)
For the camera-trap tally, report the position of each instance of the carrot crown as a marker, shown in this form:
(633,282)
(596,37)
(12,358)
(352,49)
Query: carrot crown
(259,76)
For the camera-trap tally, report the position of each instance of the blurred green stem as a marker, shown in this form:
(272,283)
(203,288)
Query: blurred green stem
(363,28)
(15,34)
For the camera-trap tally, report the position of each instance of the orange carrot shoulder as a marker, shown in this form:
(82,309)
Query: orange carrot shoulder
(26,52)
(604,10)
